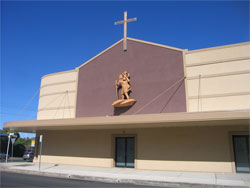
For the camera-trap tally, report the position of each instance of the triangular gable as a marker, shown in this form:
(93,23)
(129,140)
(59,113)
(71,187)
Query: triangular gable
(137,40)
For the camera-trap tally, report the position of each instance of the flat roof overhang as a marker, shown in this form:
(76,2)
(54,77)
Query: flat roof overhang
(185,119)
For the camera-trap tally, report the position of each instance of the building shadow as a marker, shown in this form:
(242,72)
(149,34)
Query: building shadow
(120,110)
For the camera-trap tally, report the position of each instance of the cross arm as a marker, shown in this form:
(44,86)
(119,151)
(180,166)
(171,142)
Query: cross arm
(131,20)
(119,22)
(128,20)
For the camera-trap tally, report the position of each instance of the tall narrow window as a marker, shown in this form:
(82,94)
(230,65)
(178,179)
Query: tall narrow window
(241,153)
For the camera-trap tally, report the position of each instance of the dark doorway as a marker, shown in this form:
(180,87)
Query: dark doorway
(125,152)
(241,153)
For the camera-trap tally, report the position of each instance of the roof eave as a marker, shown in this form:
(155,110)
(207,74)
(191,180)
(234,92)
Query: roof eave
(134,121)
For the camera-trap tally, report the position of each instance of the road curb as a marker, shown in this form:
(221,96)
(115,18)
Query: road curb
(40,173)
(118,180)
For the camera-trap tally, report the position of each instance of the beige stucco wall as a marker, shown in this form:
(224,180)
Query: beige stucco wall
(218,78)
(58,95)
(201,149)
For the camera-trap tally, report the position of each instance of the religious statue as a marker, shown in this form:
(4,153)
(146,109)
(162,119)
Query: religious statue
(123,84)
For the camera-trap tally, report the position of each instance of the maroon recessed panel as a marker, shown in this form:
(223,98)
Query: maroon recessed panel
(157,81)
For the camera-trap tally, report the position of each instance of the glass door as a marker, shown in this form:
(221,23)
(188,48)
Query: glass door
(125,152)
(130,152)
(241,153)
(120,153)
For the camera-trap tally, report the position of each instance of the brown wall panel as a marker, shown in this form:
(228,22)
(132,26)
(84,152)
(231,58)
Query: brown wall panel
(153,70)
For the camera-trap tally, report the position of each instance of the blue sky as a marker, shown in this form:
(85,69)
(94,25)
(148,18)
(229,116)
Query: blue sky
(38,38)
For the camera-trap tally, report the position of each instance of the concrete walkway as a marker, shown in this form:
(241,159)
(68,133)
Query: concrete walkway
(142,177)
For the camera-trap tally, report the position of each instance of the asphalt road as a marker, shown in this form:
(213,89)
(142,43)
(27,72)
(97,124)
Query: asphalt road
(9,179)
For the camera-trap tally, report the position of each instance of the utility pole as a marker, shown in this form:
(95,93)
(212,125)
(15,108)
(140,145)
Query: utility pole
(41,145)
(7,153)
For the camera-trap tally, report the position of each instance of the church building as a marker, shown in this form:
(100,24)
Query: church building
(143,105)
